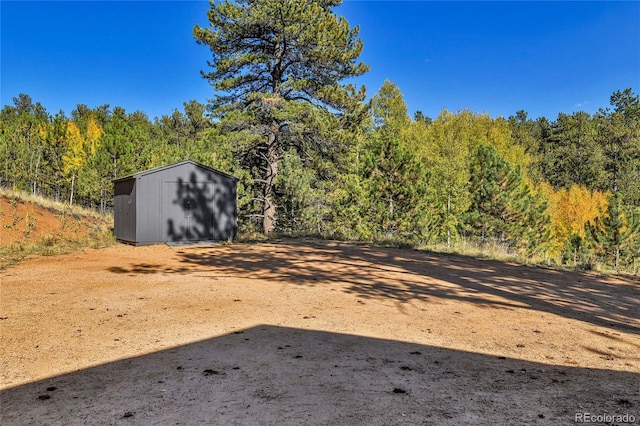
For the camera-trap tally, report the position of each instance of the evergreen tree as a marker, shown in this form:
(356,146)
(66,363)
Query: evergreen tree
(420,117)
(395,187)
(393,181)
(631,238)
(529,134)
(349,214)
(295,194)
(277,67)
(620,142)
(607,233)
(572,153)
(503,207)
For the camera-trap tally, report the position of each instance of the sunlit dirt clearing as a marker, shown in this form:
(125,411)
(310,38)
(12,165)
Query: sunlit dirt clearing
(311,333)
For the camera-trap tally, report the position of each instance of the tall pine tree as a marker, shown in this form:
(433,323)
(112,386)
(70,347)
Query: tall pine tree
(277,69)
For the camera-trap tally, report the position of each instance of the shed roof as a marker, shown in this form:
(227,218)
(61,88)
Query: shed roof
(158,169)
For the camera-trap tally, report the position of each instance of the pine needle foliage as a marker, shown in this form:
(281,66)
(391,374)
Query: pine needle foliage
(277,68)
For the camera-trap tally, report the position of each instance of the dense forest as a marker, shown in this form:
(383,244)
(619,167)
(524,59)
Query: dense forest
(313,158)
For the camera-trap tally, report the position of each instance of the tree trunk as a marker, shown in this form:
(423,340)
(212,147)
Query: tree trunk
(73,180)
(35,178)
(269,208)
(448,230)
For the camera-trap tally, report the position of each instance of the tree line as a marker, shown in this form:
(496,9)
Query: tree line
(314,158)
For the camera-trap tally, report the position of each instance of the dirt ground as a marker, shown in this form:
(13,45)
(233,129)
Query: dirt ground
(315,333)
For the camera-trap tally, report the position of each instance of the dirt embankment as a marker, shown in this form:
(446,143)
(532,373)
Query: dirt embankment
(27,222)
(312,333)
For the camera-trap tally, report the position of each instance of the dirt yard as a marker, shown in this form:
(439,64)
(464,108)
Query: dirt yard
(315,333)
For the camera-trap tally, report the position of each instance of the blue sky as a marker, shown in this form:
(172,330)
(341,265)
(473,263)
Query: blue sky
(493,57)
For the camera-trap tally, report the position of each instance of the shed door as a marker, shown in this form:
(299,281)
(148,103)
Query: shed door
(187,211)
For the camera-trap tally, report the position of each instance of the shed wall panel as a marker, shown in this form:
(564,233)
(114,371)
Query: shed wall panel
(149,206)
(187,210)
(124,210)
(225,210)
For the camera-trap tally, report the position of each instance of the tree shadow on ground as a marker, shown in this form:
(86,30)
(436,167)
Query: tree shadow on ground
(276,375)
(405,275)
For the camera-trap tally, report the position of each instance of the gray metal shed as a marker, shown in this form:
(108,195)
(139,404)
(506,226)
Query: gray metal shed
(180,203)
